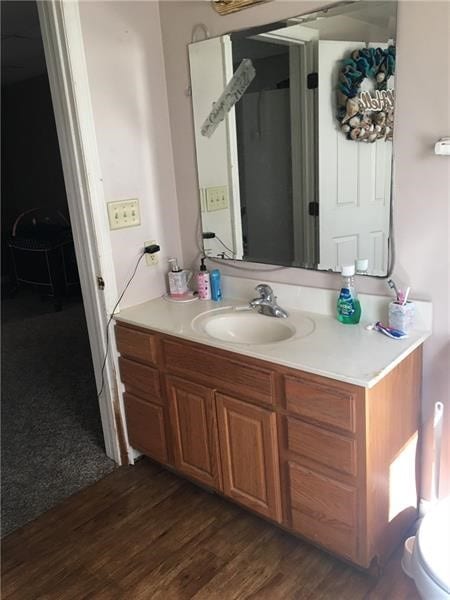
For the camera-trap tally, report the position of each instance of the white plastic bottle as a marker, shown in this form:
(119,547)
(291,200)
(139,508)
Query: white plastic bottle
(178,279)
(203,282)
(362,266)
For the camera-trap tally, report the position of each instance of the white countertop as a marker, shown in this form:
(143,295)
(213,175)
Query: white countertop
(348,353)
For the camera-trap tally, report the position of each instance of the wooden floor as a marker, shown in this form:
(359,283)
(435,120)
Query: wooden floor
(144,533)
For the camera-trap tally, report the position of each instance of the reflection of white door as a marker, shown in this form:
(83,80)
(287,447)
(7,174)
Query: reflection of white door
(354,179)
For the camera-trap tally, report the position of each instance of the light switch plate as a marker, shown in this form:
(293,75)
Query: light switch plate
(124,213)
(216,198)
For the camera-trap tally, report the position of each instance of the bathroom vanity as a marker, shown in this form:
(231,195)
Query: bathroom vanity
(325,448)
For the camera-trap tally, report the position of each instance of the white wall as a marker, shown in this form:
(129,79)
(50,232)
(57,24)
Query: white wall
(421,194)
(127,80)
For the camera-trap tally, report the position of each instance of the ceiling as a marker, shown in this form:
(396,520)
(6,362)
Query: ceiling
(22,51)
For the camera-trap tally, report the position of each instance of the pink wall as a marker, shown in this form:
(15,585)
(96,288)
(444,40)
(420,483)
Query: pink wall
(421,194)
(126,74)
(422,187)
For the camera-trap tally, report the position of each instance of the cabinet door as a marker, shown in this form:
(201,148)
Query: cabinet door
(146,427)
(249,456)
(194,430)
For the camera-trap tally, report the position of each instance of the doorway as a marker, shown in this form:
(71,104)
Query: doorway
(52,440)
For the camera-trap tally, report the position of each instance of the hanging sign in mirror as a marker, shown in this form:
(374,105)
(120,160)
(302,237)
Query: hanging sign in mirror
(293,129)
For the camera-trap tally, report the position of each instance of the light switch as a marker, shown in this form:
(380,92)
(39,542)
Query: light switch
(216,198)
(124,213)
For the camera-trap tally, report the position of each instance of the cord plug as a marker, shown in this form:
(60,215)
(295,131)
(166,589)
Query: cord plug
(209,235)
(151,249)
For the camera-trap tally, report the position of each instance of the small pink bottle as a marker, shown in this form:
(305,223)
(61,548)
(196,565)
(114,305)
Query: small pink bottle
(203,282)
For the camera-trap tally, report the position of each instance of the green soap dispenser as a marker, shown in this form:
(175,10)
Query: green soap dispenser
(348,307)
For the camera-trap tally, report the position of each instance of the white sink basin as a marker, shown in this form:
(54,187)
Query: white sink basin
(248,327)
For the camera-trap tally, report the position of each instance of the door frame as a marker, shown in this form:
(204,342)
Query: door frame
(69,85)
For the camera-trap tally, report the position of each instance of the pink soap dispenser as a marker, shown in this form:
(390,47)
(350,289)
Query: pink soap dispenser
(203,282)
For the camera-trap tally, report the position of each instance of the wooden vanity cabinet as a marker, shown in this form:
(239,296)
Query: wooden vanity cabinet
(329,461)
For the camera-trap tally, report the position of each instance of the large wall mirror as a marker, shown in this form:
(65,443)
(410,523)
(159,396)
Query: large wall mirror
(293,130)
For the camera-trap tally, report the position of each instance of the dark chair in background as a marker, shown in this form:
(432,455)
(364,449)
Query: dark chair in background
(42,253)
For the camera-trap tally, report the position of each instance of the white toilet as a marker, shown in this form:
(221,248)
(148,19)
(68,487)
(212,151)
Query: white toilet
(427,555)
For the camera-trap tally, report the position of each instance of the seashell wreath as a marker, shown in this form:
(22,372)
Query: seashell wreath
(354,115)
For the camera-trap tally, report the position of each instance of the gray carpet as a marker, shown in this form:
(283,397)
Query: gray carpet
(52,444)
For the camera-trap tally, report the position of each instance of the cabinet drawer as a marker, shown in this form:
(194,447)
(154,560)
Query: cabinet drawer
(330,449)
(140,380)
(219,372)
(322,403)
(136,344)
(146,427)
(323,509)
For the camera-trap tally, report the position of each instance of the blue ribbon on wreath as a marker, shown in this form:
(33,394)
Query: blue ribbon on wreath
(365,63)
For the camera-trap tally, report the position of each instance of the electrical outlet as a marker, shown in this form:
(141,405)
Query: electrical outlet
(124,213)
(216,198)
(151,259)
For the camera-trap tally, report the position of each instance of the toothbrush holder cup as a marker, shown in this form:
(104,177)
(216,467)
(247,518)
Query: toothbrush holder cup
(401,316)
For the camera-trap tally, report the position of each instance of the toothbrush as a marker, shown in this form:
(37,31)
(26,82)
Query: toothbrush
(391,284)
(395,334)
(405,297)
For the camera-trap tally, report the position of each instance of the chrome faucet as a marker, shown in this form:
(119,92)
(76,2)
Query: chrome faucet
(266,303)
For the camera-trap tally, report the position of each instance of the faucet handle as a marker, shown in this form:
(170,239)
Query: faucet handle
(265,291)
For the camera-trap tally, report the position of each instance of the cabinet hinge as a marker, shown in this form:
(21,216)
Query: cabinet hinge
(100,282)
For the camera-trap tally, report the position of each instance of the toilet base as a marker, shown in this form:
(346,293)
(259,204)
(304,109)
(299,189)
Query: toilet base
(413,568)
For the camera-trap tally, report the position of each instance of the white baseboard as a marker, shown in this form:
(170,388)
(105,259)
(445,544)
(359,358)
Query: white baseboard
(133,455)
